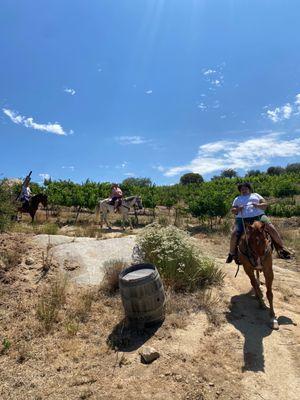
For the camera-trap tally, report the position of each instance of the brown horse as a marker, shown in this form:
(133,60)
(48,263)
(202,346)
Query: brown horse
(255,254)
(34,205)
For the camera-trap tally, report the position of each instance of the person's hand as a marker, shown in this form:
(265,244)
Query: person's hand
(240,208)
(255,205)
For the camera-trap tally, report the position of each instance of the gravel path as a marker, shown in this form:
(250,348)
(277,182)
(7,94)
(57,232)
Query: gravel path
(84,257)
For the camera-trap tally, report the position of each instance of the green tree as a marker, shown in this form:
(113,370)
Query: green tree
(191,177)
(295,167)
(229,173)
(253,172)
(275,171)
(141,182)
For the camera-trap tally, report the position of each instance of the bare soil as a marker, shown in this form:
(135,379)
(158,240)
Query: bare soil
(218,348)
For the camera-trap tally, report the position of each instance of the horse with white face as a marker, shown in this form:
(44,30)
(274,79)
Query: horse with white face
(104,207)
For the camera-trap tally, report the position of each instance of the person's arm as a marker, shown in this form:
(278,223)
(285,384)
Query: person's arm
(262,203)
(235,207)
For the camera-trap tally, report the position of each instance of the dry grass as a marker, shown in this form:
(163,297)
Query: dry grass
(10,258)
(113,268)
(179,307)
(51,300)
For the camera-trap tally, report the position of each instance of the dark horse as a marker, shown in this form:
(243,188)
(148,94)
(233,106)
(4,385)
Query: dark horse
(34,205)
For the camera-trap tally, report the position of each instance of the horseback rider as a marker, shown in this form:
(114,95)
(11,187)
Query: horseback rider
(25,194)
(116,196)
(247,208)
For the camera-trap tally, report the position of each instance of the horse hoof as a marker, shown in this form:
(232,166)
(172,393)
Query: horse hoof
(274,324)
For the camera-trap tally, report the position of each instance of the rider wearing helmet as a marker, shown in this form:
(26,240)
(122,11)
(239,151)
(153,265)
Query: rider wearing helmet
(116,196)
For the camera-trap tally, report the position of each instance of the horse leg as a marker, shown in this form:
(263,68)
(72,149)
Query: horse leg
(106,220)
(130,222)
(258,293)
(269,276)
(123,222)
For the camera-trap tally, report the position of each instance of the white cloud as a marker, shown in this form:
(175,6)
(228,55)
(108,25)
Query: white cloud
(149,91)
(284,112)
(214,77)
(70,91)
(71,167)
(55,128)
(244,154)
(209,71)
(44,176)
(129,174)
(202,106)
(126,140)
(280,113)
(159,168)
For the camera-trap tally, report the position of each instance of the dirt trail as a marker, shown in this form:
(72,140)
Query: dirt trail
(237,357)
(270,368)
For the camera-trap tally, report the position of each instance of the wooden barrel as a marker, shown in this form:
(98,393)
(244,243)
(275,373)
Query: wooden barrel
(142,294)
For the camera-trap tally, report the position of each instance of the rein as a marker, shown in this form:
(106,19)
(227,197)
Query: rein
(249,253)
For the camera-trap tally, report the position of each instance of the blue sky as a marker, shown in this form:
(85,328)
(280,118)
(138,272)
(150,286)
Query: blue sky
(105,89)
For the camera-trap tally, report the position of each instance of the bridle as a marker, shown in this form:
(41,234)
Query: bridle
(251,254)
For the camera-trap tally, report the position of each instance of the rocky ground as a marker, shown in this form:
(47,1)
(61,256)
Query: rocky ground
(212,346)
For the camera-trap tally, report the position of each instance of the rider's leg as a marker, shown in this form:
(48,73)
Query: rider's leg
(118,203)
(276,238)
(234,240)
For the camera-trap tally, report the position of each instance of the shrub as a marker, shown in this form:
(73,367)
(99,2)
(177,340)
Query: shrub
(7,211)
(50,229)
(177,257)
(112,268)
(52,299)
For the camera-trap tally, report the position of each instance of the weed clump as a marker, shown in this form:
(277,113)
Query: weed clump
(179,260)
(112,268)
(7,210)
(50,302)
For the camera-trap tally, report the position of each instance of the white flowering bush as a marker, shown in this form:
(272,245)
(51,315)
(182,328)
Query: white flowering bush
(177,258)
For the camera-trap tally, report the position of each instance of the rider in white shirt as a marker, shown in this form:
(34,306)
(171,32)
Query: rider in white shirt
(250,207)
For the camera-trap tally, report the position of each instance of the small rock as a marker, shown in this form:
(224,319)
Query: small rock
(29,261)
(148,354)
(211,384)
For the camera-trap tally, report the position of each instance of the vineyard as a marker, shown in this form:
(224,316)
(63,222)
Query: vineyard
(211,199)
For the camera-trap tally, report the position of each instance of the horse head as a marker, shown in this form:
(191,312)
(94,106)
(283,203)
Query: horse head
(138,202)
(257,240)
(41,198)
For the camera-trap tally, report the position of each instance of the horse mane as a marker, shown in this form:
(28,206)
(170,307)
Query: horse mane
(129,198)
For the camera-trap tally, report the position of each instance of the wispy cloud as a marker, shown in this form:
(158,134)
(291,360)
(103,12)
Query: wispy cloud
(44,176)
(127,140)
(70,91)
(202,106)
(284,112)
(122,165)
(71,167)
(129,174)
(214,76)
(244,154)
(149,91)
(55,127)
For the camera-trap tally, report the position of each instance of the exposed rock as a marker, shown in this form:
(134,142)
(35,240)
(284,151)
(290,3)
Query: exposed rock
(148,354)
(29,261)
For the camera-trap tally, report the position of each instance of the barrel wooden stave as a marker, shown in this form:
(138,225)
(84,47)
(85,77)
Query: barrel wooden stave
(143,299)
